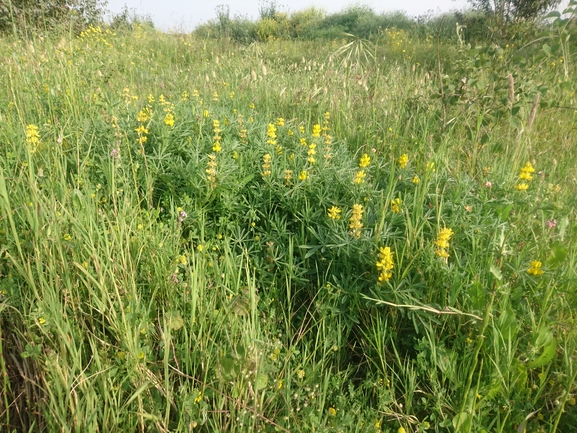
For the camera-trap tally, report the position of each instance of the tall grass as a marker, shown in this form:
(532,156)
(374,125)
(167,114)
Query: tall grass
(170,263)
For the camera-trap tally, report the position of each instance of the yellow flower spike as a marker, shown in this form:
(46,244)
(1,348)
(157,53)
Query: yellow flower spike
(442,242)
(416,179)
(169,119)
(365,161)
(334,213)
(144,115)
(521,186)
(526,172)
(316,131)
(355,223)
(266,167)
(141,130)
(396,205)
(403,160)
(32,137)
(360,177)
(303,175)
(535,268)
(385,264)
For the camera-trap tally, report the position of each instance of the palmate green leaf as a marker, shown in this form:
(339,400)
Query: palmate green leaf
(261,381)
(547,342)
(558,254)
(496,272)
(175,320)
(462,422)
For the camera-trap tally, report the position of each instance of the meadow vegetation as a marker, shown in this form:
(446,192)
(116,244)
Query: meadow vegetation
(368,233)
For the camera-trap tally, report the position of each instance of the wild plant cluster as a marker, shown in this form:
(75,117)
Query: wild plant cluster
(339,236)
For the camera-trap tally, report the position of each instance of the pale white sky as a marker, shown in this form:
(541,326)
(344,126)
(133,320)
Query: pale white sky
(186,14)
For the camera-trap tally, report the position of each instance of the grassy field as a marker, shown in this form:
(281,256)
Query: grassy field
(330,236)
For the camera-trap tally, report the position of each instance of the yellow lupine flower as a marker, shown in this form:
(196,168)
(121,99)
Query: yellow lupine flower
(385,264)
(396,205)
(334,213)
(403,160)
(316,131)
(535,268)
(360,176)
(169,119)
(365,161)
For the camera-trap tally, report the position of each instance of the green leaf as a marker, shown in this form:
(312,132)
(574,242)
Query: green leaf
(240,306)
(563,227)
(547,341)
(553,14)
(227,369)
(558,254)
(547,49)
(496,272)
(462,422)
(261,381)
(175,320)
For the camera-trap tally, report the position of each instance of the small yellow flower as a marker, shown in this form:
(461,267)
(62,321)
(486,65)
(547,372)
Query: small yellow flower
(182,260)
(416,179)
(279,384)
(521,186)
(66,237)
(280,121)
(200,247)
(385,264)
(334,213)
(303,175)
(360,177)
(355,223)
(141,130)
(332,411)
(365,161)
(316,131)
(442,242)
(301,374)
(403,160)
(144,115)
(217,147)
(401,430)
(288,175)
(396,205)
(527,171)
(169,119)
(535,268)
